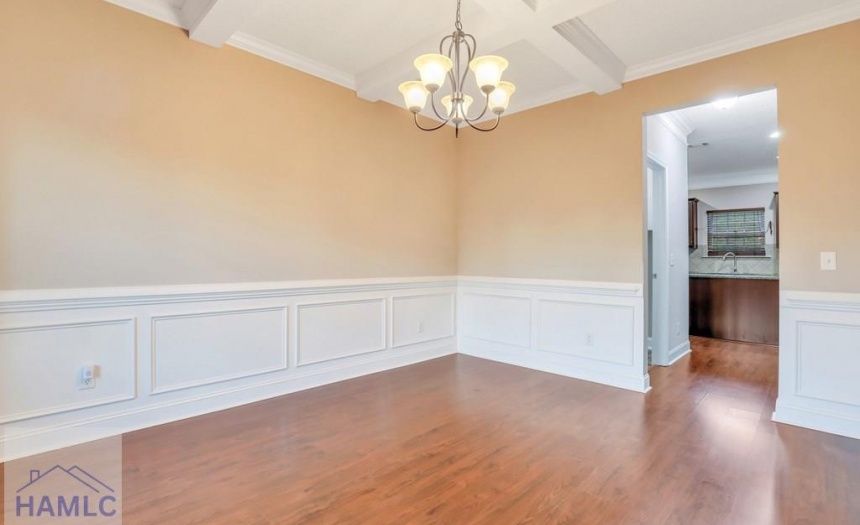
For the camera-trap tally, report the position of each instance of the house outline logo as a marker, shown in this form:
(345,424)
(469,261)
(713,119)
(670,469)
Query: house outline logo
(92,499)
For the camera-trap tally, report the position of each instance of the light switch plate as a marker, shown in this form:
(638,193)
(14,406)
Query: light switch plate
(828,261)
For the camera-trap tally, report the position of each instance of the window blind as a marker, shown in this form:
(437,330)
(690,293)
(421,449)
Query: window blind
(738,231)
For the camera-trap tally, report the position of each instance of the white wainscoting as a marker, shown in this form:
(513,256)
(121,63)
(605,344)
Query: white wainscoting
(590,331)
(819,362)
(168,353)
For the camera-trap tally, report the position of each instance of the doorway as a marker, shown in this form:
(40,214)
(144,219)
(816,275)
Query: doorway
(712,224)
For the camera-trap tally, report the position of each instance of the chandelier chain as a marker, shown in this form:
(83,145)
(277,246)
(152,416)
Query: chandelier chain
(458,24)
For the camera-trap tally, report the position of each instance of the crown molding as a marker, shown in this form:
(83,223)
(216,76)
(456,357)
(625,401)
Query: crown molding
(278,54)
(727,180)
(791,28)
(677,124)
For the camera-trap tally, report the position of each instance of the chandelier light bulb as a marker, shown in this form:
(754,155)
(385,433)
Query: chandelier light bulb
(433,69)
(457,110)
(501,97)
(414,95)
(488,71)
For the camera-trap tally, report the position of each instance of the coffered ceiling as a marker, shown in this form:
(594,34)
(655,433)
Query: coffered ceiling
(557,48)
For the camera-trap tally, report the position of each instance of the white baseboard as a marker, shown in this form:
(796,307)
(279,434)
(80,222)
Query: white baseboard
(817,420)
(640,384)
(678,352)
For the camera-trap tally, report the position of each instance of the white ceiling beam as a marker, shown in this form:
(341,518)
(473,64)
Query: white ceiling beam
(213,22)
(589,58)
(502,23)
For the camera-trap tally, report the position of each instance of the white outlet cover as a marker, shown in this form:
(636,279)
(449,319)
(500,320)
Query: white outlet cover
(828,261)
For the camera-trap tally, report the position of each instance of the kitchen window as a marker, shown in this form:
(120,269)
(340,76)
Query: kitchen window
(737,231)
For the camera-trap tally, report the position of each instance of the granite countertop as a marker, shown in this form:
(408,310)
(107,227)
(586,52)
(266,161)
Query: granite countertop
(758,276)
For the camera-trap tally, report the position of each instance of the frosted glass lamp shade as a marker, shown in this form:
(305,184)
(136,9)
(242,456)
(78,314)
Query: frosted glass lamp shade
(461,110)
(488,71)
(433,69)
(414,95)
(501,97)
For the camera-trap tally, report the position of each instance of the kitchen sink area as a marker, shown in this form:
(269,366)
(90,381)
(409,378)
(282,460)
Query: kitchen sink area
(736,300)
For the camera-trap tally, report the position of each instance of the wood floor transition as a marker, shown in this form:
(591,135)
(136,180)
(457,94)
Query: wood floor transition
(460,440)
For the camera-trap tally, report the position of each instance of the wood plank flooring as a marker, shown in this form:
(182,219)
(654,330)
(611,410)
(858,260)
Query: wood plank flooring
(465,441)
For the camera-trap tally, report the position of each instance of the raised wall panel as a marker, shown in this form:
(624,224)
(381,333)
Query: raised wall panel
(198,349)
(341,329)
(828,359)
(421,318)
(591,331)
(497,318)
(41,366)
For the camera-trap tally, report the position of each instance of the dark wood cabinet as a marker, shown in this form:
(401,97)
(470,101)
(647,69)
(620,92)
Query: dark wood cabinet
(735,309)
(693,222)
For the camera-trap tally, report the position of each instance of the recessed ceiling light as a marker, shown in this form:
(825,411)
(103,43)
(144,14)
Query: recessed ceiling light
(725,103)
(776,134)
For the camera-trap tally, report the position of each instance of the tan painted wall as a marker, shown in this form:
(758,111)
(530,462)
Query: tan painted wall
(130,155)
(556,192)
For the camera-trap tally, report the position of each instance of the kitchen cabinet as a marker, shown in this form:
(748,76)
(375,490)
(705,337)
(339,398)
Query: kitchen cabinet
(693,222)
(735,309)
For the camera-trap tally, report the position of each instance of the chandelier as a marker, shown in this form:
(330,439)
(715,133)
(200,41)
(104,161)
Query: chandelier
(455,59)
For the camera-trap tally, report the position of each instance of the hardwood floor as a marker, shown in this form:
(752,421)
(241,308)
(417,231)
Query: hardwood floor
(460,440)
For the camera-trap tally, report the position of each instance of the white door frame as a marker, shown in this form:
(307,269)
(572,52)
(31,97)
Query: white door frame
(657,289)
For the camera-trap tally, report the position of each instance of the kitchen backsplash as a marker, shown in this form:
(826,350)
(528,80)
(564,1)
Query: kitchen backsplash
(746,265)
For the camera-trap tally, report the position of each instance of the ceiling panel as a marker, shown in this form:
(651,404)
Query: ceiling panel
(352,36)
(738,138)
(640,31)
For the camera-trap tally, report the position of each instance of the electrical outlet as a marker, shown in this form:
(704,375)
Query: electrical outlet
(87,377)
(420,327)
(677,328)
(589,339)
(828,261)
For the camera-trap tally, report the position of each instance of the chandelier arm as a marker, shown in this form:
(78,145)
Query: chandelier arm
(471,54)
(451,73)
(498,118)
(484,112)
(436,111)
(473,48)
(442,45)
(422,128)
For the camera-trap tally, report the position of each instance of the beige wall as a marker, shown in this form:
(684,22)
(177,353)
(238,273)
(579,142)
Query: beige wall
(556,192)
(130,155)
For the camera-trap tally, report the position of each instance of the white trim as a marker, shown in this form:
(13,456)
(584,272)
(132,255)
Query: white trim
(677,353)
(738,178)
(639,384)
(816,420)
(278,54)
(550,285)
(760,37)
(155,319)
(817,388)
(130,323)
(832,301)
(16,301)
(677,124)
